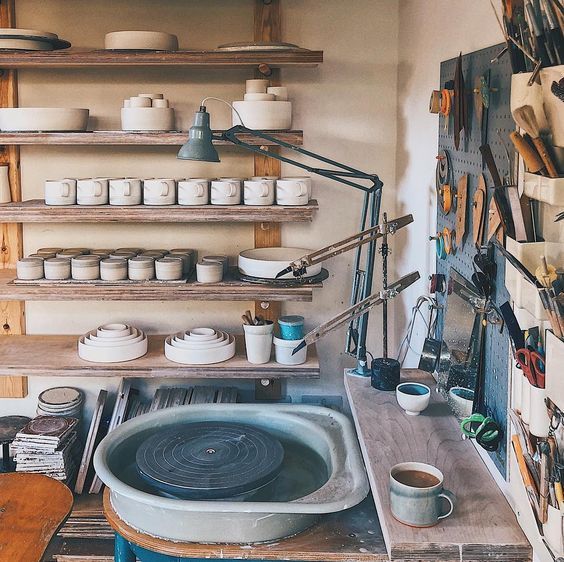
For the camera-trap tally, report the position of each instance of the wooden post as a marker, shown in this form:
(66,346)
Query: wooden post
(268,27)
(12,319)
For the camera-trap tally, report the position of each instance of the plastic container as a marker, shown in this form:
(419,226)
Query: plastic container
(258,343)
(283,351)
(291,327)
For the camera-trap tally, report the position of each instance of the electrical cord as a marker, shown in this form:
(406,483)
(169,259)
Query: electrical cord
(203,104)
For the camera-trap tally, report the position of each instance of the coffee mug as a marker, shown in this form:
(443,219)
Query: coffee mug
(92,191)
(305,179)
(258,192)
(226,192)
(417,494)
(157,191)
(60,192)
(125,191)
(291,192)
(193,191)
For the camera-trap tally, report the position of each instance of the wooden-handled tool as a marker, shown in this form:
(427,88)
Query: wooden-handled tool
(546,273)
(526,476)
(530,156)
(525,117)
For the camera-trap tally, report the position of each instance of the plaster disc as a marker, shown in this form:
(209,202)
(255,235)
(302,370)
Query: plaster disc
(61,396)
(10,425)
(47,425)
(210,460)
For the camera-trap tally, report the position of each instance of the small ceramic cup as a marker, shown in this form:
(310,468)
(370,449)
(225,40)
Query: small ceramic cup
(160,103)
(57,268)
(223,260)
(226,192)
(169,269)
(60,192)
(413,397)
(113,269)
(291,192)
(417,494)
(29,268)
(258,343)
(85,267)
(92,191)
(141,268)
(189,256)
(258,192)
(209,271)
(194,191)
(256,86)
(139,101)
(125,191)
(161,191)
(284,349)
(280,92)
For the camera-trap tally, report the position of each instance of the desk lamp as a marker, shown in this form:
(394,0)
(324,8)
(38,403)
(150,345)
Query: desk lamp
(199,147)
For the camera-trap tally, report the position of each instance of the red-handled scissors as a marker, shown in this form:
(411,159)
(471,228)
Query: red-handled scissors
(532,365)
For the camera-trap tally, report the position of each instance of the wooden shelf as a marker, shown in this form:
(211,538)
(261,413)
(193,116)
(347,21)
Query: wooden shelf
(228,290)
(35,210)
(75,58)
(57,356)
(483,526)
(173,138)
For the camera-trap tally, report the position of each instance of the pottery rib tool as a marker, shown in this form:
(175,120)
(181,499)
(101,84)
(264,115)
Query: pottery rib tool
(525,117)
(478,206)
(460,105)
(494,220)
(461,194)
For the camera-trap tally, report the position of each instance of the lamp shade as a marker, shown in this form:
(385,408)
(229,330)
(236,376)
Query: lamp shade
(199,145)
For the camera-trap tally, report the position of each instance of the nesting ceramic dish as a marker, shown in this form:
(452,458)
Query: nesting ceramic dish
(265,263)
(201,346)
(62,401)
(15,119)
(112,343)
(14,39)
(140,41)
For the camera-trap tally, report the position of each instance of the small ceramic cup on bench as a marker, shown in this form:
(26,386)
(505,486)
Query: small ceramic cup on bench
(60,192)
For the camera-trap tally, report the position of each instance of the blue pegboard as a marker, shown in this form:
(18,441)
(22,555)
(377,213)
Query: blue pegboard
(468,160)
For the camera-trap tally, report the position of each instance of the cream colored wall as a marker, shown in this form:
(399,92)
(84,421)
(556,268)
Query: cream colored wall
(347,108)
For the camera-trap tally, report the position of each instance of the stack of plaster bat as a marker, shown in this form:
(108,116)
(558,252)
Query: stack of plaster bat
(48,445)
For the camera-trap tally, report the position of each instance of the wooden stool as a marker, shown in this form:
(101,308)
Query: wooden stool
(9,427)
(32,508)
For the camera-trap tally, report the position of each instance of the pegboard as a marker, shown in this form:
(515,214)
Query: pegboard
(468,160)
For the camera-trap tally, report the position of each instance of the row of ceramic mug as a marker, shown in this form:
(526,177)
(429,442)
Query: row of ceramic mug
(259,191)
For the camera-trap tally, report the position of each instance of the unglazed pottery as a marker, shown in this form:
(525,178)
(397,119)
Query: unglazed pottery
(265,263)
(141,41)
(43,119)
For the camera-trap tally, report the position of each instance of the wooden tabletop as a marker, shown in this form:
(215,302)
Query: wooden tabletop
(349,536)
(482,527)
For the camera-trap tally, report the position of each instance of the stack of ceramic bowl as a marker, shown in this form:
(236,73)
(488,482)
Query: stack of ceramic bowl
(263,107)
(64,401)
(200,346)
(147,112)
(112,343)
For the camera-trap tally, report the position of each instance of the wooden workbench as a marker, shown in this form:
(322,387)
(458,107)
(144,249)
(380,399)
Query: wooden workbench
(482,527)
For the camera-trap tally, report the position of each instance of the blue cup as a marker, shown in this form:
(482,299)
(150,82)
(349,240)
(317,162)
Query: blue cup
(291,327)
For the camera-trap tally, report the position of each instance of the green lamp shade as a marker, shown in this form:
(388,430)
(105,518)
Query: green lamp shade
(199,145)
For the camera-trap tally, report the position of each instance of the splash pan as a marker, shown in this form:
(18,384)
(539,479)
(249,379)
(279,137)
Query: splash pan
(318,471)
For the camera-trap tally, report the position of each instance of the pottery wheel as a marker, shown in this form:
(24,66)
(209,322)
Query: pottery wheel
(209,460)
(10,425)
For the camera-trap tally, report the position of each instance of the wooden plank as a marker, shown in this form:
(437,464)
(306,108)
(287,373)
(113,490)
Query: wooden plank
(55,356)
(228,290)
(36,211)
(12,319)
(483,526)
(173,138)
(73,58)
(351,535)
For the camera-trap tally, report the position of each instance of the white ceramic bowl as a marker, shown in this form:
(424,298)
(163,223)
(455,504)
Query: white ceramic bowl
(141,41)
(413,397)
(94,341)
(147,119)
(201,334)
(265,263)
(199,356)
(107,354)
(43,119)
(113,330)
(264,115)
(178,341)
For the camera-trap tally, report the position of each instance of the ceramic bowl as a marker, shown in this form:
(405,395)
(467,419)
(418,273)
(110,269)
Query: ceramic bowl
(199,356)
(43,119)
(147,119)
(113,330)
(125,352)
(413,397)
(461,401)
(202,334)
(141,41)
(264,115)
(179,341)
(134,337)
(265,263)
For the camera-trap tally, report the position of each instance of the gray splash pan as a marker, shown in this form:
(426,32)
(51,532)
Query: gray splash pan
(328,433)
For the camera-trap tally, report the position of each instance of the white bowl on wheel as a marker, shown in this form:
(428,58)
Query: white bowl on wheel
(43,119)
(264,115)
(141,41)
(265,263)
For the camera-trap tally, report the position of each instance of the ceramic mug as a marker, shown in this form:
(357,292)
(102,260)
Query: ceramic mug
(417,494)
(60,192)
(226,192)
(125,191)
(291,192)
(193,191)
(159,191)
(305,179)
(258,192)
(92,191)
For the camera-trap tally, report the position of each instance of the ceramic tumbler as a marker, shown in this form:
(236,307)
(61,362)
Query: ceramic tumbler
(169,269)
(193,191)
(258,343)
(125,191)
(5,194)
(209,272)
(417,494)
(57,268)
(92,191)
(258,192)
(60,192)
(159,191)
(223,260)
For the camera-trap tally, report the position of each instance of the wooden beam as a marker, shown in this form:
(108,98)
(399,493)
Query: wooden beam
(11,243)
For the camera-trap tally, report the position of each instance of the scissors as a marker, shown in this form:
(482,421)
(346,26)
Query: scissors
(532,365)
